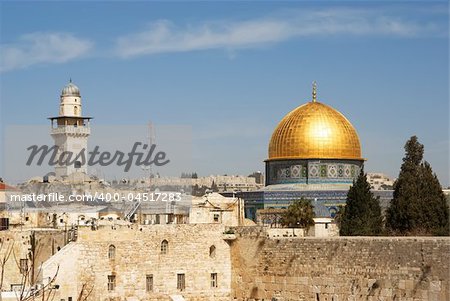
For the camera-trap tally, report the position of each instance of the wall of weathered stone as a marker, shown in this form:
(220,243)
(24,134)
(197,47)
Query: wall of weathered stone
(335,269)
(16,244)
(138,253)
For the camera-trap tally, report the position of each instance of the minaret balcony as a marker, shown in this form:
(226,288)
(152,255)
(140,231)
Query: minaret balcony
(71,129)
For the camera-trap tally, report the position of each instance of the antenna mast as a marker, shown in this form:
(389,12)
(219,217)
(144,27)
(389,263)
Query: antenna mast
(151,141)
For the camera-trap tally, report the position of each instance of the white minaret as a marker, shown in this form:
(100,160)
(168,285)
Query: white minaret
(70,132)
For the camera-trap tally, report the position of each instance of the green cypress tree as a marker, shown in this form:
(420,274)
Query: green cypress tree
(362,212)
(434,217)
(402,214)
(418,205)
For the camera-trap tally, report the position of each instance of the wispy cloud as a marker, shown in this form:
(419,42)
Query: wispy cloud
(40,47)
(164,36)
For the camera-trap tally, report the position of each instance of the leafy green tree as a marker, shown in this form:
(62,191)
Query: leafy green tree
(418,206)
(362,213)
(299,214)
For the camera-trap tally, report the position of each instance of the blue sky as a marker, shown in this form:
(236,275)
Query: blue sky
(233,70)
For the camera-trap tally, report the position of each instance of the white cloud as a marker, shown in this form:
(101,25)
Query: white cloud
(39,47)
(163,36)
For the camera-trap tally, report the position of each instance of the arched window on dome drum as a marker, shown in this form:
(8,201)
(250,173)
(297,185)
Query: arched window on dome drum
(75,110)
(112,252)
(164,247)
(212,251)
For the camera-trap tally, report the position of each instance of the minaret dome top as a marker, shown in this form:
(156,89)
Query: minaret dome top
(70,90)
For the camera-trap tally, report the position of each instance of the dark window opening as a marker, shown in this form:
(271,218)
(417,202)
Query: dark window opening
(149,283)
(212,251)
(111,282)
(23,266)
(164,247)
(216,218)
(112,252)
(181,285)
(214,280)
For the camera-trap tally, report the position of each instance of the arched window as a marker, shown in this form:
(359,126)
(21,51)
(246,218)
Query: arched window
(164,247)
(212,251)
(75,110)
(112,252)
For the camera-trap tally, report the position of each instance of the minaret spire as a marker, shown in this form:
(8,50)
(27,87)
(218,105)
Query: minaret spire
(314,91)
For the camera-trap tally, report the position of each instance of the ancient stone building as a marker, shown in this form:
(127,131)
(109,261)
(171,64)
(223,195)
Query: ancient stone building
(215,208)
(144,263)
(207,262)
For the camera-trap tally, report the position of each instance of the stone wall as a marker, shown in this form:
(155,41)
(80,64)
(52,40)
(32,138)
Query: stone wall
(335,269)
(16,245)
(137,254)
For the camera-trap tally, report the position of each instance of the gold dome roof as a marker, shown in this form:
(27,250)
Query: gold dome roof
(314,131)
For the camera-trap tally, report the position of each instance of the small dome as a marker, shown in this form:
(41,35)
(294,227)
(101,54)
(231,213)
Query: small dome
(70,90)
(314,131)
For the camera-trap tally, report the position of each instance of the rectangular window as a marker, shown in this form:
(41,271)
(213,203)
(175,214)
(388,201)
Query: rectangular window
(111,282)
(213,280)
(23,266)
(216,218)
(181,285)
(149,283)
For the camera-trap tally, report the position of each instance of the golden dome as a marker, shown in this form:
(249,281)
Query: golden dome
(314,131)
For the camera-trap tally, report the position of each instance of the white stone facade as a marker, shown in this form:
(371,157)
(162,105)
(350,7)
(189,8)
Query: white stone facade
(215,208)
(224,183)
(71,132)
(74,140)
(379,181)
(197,251)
